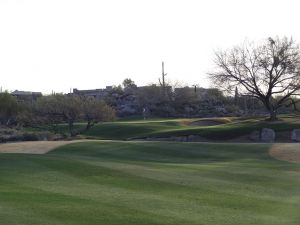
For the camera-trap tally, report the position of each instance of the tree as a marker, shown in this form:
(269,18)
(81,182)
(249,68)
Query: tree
(70,108)
(95,111)
(47,111)
(9,108)
(149,98)
(113,95)
(263,71)
(58,108)
(25,114)
(129,84)
(236,96)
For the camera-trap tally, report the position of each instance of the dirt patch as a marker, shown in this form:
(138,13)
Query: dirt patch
(33,147)
(287,152)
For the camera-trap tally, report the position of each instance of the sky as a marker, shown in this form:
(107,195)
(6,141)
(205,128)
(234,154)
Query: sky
(62,44)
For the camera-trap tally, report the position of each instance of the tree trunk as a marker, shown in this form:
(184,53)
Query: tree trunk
(71,129)
(272,110)
(89,125)
(273,115)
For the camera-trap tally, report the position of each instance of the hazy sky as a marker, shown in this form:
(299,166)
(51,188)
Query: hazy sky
(62,44)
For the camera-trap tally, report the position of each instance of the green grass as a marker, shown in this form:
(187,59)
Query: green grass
(229,129)
(141,183)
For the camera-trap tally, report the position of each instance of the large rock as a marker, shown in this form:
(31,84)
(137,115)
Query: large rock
(157,139)
(267,135)
(195,138)
(296,135)
(178,138)
(254,136)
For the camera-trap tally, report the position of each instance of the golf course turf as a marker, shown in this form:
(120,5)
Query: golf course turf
(225,128)
(149,183)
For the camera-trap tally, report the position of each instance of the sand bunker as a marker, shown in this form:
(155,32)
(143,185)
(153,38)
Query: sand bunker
(33,147)
(287,152)
(205,123)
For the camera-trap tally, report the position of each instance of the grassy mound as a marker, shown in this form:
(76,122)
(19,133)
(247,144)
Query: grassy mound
(227,128)
(149,183)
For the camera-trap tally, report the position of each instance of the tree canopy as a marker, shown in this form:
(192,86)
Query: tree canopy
(268,71)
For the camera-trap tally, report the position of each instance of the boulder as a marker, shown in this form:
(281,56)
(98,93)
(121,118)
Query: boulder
(267,135)
(178,138)
(296,135)
(156,139)
(254,136)
(193,137)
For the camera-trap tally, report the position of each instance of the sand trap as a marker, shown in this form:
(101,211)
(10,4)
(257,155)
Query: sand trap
(33,147)
(205,123)
(287,152)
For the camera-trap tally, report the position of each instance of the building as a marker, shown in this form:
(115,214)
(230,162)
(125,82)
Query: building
(97,93)
(26,95)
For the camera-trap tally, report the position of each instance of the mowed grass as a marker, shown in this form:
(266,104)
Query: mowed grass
(142,183)
(229,128)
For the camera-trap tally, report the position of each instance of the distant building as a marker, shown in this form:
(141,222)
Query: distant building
(97,93)
(26,95)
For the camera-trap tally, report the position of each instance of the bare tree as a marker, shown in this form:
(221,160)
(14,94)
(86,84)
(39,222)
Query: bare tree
(269,71)
(58,108)
(61,108)
(47,110)
(95,111)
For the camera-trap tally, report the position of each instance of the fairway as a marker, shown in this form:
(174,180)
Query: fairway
(145,183)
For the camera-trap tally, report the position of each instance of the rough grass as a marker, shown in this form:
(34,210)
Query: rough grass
(149,183)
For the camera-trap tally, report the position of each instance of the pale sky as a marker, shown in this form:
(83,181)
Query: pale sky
(62,44)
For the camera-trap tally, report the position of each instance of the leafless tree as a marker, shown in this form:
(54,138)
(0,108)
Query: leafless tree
(58,108)
(95,111)
(269,71)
